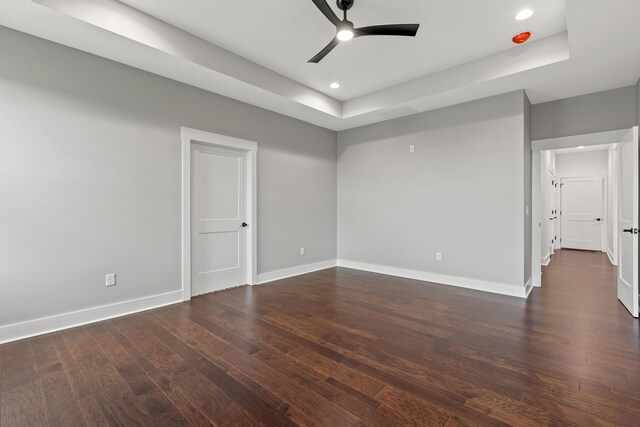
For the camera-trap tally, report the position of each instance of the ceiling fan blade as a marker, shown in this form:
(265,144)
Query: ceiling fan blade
(327,11)
(409,30)
(324,52)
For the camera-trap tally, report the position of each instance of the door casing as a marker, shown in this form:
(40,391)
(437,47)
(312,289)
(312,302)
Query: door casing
(537,146)
(190,136)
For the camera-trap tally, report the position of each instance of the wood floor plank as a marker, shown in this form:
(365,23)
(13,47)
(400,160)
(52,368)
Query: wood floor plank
(159,406)
(563,414)
(174,421)
(212,402)
(17,365)
(72,370)
(510,411)
(415,408)
(194,335)
(185,406)
(44,352)
(101,377)
(149,347)
(125,364)
(297,396)
(23,406)
(127,411)
(317,383)
(93,413)
(59,399)
(344,374)
(254,398)
(245,327)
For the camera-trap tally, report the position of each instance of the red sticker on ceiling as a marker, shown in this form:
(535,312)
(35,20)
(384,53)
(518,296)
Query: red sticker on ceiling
(522,37)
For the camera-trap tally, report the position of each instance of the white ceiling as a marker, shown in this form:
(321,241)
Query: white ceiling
(256,50)
(283,34)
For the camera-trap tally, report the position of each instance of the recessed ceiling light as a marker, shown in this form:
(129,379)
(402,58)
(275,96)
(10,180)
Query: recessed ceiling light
(580,147)
(524,14)
(334,85)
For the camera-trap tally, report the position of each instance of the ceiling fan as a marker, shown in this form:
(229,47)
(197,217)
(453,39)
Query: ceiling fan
(345,29)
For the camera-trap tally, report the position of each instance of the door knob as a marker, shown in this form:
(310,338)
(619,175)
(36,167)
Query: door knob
(630,230)
(244,224)
(598,219)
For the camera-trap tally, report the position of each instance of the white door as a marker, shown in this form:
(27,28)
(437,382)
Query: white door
(628,222)
(218,219)
(581,207)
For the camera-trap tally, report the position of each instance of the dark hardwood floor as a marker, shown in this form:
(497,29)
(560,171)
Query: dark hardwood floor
(340,348)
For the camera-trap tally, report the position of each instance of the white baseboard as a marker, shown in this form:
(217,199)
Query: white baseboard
(528,287)
(461,282)
(545,260)
(295,271)
(45,325)
(610,255)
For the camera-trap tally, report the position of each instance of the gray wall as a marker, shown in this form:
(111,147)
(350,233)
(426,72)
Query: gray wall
(638,103)
(602,111)
(527,189)
(90,179)
(461,193)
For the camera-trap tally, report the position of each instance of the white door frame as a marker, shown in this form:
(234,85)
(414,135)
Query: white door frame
(613,191)
(191,136)
(537,146)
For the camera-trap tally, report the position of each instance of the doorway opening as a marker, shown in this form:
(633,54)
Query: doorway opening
(585,211)
(219,211)
(577,200)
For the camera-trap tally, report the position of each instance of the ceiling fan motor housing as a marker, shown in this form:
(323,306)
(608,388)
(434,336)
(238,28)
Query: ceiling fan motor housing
(345,29)
(345,4)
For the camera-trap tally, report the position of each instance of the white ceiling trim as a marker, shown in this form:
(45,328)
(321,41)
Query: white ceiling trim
(543,52)
(125,21)
(586,59)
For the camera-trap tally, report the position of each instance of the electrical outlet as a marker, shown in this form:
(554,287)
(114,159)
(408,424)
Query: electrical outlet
(110,279)
(438,256)
(412,148)
(302,250)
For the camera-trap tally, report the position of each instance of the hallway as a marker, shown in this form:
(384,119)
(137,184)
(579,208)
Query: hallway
(582,285)
(589,328)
